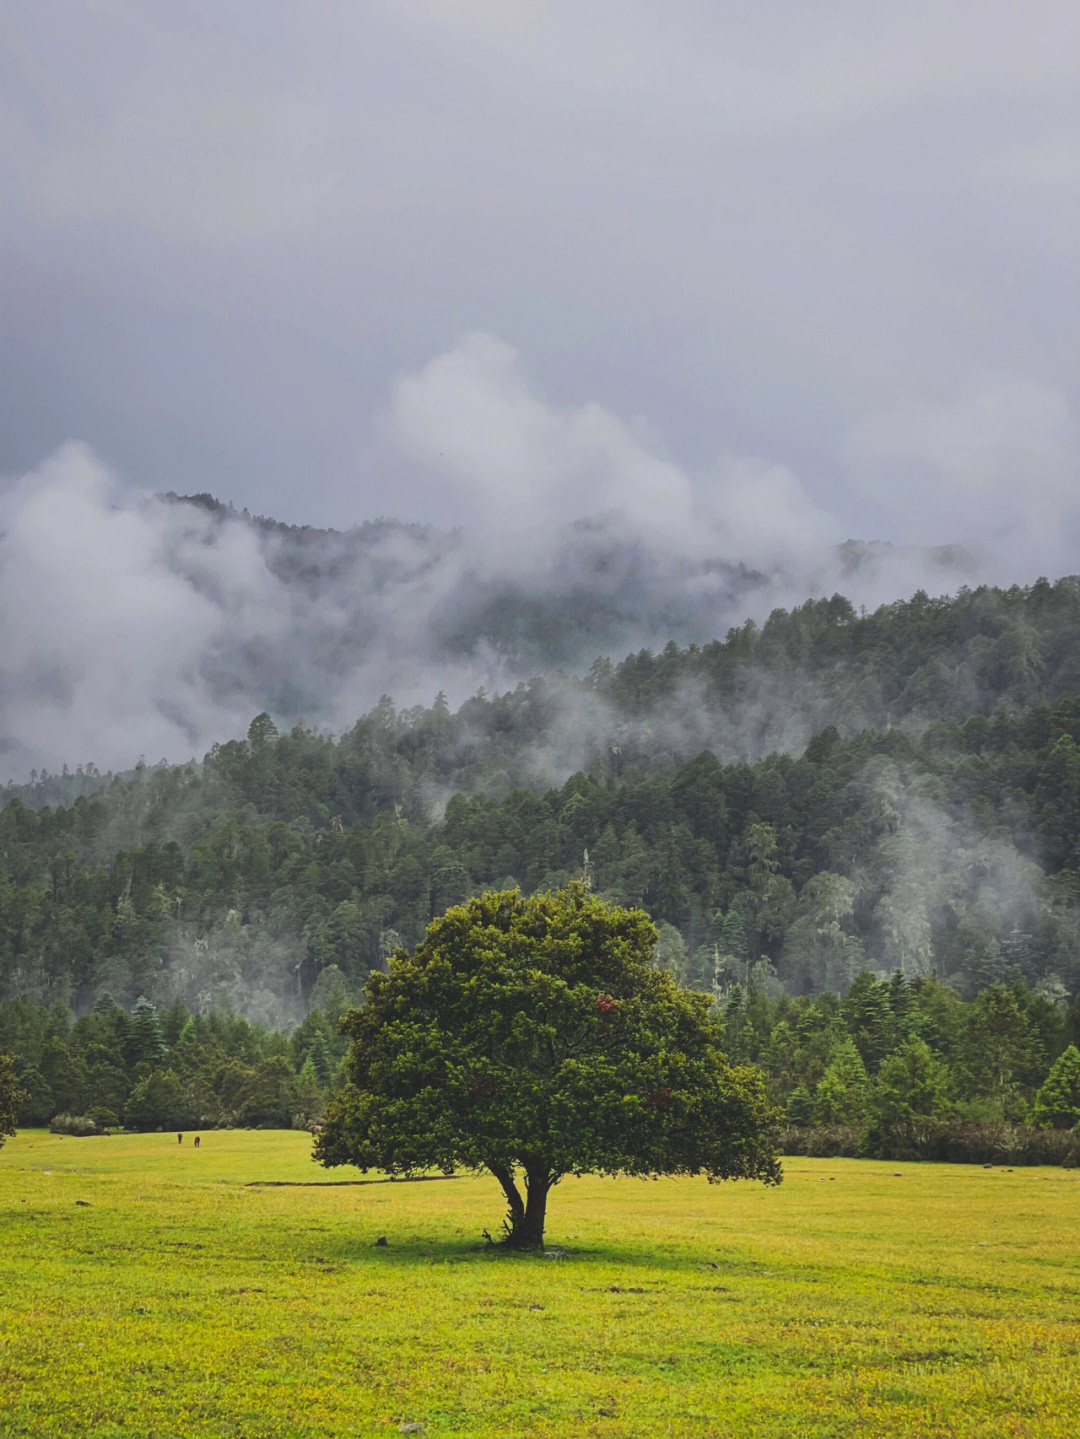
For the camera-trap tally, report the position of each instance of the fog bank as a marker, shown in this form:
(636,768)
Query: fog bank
(133,624)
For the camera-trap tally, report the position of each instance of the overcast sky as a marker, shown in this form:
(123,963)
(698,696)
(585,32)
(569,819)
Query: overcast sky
(814,264)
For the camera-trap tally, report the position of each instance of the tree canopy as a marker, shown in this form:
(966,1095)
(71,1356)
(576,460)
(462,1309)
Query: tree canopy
(534,1038)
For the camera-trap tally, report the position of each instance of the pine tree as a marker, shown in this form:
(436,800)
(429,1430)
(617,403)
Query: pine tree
(733,940)
(145,1042)
(840,1097)
(318,1056)
(912,1088)
(308,1092)
(1057,1104)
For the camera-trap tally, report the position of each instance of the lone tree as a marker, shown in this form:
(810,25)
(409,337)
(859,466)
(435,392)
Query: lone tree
(532,1037)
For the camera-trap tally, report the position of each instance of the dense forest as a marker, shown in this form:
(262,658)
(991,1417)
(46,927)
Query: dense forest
(829,804)
(895,1068)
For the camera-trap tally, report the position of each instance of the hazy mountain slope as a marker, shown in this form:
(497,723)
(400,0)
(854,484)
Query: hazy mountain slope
(761,689)
(948,841)
(132,625)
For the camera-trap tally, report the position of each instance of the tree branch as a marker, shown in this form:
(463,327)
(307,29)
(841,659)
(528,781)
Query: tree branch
(505,1177)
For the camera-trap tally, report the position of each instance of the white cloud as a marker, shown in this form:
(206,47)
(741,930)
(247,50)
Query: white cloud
(129,624)
(517,463)
(110,615)
(999,463)
(768,516)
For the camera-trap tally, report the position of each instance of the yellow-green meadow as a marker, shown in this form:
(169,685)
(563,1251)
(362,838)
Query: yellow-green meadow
(150,1288)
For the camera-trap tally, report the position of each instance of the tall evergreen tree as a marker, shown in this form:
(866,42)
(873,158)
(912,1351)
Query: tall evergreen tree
(145,1043)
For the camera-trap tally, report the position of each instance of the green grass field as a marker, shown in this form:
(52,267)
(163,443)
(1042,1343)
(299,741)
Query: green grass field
(152,1289)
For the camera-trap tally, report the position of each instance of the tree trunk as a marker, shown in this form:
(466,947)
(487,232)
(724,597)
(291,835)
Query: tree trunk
(515,1205)
(532,1227)
(525,1217)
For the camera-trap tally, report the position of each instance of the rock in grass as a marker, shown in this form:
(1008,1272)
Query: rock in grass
(410,1428)
(380,1243)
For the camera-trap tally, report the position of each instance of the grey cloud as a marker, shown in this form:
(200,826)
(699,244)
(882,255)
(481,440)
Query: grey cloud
(135,624)
(999,462)
(773,64)
(657,305)
(758,229)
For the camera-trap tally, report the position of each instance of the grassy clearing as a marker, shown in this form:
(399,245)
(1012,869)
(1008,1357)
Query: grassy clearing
(859,1298)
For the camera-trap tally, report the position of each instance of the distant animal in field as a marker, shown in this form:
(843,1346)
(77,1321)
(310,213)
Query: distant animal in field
(197,1141)
(179,1139)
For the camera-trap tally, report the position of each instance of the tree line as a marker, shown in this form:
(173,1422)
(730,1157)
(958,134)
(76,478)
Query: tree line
(146,1068)
(822,802)
(892,1067)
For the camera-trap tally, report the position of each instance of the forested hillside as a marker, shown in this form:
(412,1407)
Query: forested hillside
(930,822)
(824,808)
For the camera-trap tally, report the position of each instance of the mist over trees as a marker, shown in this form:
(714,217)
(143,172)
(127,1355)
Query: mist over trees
(826,801)
(942,839)
(204,615)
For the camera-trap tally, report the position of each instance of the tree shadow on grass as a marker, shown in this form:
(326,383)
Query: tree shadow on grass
(413,1251)
(418,1251)
(344,1183)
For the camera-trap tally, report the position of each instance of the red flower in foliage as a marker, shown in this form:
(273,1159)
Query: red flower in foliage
(605,1004)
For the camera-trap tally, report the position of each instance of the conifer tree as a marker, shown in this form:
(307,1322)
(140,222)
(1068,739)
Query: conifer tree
(10,1096)
(1057,1104)
(145,1043)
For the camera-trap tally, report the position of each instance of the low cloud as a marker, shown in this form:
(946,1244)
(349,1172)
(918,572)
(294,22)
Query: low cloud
(998,465)
(116,610)
(133,625)
(518,466)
